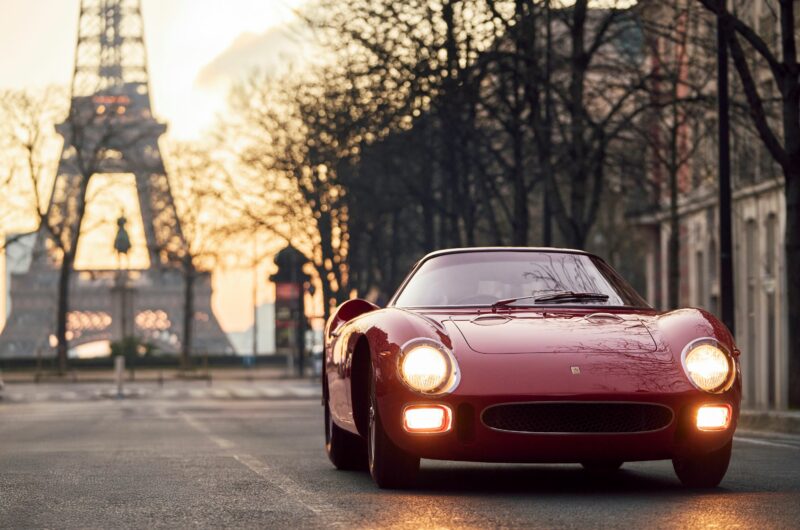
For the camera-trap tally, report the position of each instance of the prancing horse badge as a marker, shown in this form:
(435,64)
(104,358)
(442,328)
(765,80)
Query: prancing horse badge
(576,370)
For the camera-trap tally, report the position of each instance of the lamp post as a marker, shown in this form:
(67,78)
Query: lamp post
(725,228)
(122,245)
(547,227)
(255,297)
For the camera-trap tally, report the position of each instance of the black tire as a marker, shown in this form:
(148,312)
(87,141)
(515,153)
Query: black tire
(346,451)
(390,466)
(602,466)
(704,471)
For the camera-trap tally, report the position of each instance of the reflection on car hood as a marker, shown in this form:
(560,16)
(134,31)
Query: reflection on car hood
(553,333)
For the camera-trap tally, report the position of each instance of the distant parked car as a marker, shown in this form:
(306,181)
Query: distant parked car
(526,355)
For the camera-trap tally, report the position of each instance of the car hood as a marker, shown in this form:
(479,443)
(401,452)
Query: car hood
(553,333)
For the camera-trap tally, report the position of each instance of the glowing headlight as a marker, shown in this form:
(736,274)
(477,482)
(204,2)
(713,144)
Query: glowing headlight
(713,417)
(708,367)
(426,368)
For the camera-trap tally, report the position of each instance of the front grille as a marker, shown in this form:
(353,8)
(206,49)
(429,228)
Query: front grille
(572,417)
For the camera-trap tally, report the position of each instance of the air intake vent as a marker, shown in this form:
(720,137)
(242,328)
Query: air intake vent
(560,417)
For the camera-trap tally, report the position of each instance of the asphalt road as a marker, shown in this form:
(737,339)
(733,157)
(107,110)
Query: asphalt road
(260,463)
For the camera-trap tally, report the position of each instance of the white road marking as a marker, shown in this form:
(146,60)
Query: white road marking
(758,441)
(266,392)
(194,424)
(244,393)
(222,443)
(302,391)
(330,514)
(220,393)
(271,392)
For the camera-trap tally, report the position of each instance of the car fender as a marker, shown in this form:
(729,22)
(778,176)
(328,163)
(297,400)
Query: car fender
(359,337)
(678,328)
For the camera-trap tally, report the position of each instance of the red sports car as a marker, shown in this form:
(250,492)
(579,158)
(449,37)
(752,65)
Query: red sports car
(526,355)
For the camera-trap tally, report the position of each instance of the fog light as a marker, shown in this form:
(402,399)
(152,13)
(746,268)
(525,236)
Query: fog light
(427,418)
(713,417)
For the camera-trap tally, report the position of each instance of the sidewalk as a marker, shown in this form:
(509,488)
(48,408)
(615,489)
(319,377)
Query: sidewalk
(782,421)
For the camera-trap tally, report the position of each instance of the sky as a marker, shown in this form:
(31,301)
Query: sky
(196,49)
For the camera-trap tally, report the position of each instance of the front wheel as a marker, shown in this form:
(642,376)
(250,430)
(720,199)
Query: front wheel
(704,471)
(390,466)
(346,451)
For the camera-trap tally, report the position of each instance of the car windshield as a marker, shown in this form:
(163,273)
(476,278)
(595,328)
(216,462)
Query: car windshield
(535,277)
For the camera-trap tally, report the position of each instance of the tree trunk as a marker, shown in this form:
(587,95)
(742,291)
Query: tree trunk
(67,264)
(188,313)
(327,291)
(674,255)
(64,276)
(577,141)
(521,216)
(790,89)
(674,245)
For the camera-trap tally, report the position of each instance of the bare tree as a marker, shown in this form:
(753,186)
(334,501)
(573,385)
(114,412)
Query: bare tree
(677,125)
(417,57)
(29,146)
(757,57)
(92,144)
(198,190)
(293,138)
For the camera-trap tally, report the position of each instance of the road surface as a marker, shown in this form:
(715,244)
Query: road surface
(205,462)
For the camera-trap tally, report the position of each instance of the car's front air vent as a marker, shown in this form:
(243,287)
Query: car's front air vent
(576,417)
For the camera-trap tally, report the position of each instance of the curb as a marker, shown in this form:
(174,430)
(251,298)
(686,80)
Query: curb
(773,421)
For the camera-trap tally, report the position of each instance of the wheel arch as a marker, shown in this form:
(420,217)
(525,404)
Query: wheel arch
(359,383)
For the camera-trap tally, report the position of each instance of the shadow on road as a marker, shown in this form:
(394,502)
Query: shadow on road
(547,480)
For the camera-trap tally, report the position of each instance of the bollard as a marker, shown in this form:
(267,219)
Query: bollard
(119,373)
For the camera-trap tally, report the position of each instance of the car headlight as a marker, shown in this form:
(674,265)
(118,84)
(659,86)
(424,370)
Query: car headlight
(428,367)
(708,366)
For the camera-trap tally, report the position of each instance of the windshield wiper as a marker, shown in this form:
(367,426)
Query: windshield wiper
(570,296)
(561,296)
(508,301)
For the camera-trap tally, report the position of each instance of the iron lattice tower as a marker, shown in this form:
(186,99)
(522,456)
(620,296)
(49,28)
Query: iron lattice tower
(110,51)
(110,129)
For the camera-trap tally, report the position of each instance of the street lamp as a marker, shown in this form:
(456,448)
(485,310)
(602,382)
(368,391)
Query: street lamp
(725,229)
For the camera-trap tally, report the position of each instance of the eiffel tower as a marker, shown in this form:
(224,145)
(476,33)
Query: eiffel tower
(110,129)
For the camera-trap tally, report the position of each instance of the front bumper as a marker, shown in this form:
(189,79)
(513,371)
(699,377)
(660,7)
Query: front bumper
(470,439)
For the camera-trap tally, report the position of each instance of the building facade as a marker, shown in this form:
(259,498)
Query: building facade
(758,212)
(759,278)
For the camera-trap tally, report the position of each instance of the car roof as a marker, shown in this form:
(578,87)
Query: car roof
(502,249)
(463,250)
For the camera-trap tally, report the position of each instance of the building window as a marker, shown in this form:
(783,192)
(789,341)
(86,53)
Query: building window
(771,229)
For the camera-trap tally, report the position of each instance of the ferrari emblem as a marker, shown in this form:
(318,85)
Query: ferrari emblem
(576,370)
